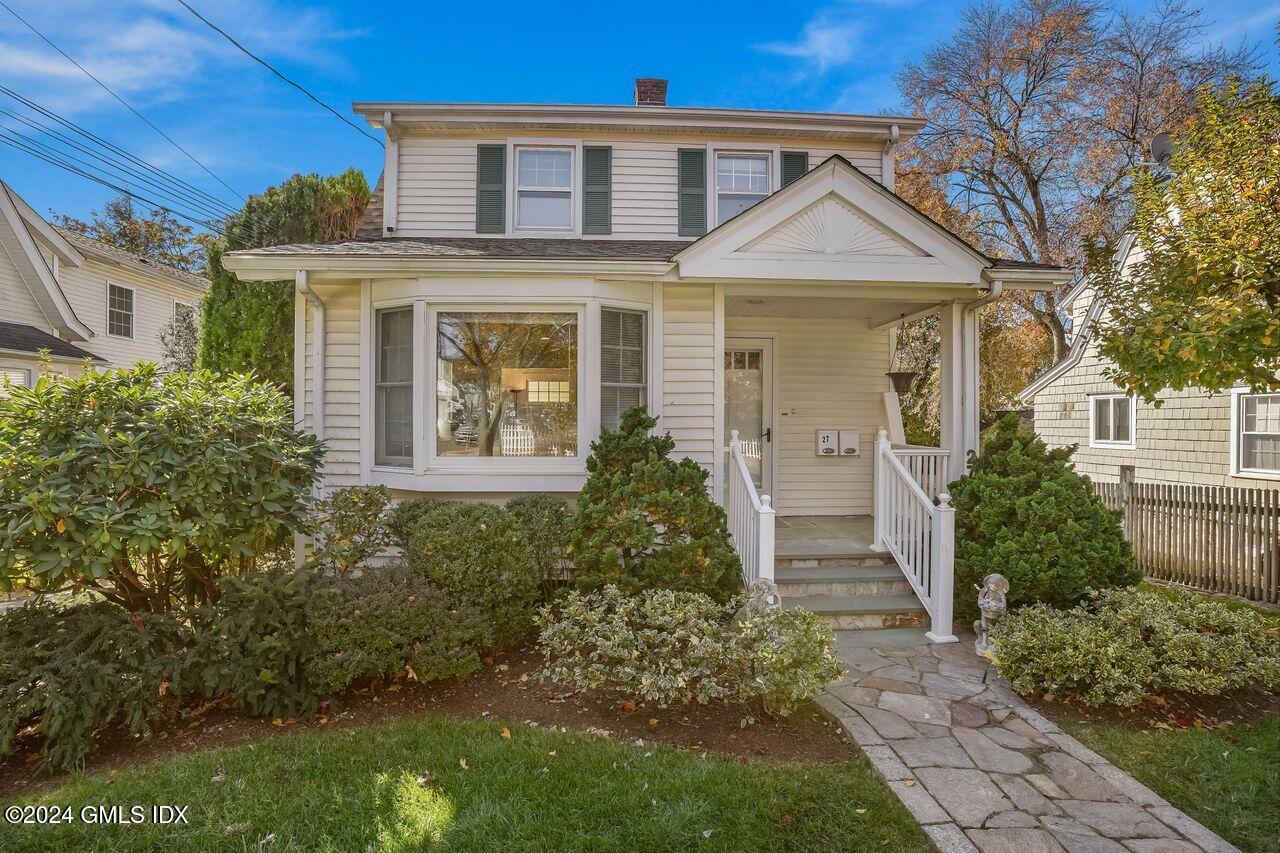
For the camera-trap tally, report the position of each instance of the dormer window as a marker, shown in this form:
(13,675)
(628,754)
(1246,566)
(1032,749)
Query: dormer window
(544,189)
(742,180)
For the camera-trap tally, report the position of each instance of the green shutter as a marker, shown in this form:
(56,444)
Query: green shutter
(491,189)
(794,165)
(691,180)
(597,189)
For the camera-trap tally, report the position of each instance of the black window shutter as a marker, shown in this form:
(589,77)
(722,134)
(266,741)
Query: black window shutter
(691,180)
(491,189)
(597,189)
(794,165)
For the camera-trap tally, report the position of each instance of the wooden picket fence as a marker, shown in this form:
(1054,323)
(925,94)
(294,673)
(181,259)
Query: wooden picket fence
(1217,538)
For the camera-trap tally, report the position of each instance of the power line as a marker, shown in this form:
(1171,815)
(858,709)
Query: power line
(269,67)
(113,94)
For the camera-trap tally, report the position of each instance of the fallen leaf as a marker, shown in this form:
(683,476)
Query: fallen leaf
(426,778)
(33,757)
(629,705)
(910,783)
(393,688)
(270,838)
(653,721)
(786,818)
(219,778)
(506,733)
(462,762)
(236,829)
(860,811)
(742,759)
(61,525)
(488,661)
(706,833)
(409,670)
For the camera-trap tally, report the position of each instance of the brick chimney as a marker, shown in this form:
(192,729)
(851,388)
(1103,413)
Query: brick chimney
(651,92)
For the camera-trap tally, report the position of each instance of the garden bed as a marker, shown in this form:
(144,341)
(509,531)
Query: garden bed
(507,688)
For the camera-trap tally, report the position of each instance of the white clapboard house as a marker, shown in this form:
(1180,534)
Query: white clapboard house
(528,272)
(65,298)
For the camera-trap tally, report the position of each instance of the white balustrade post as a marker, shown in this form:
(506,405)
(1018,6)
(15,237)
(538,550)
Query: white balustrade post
(942,578)
(881,508)
(765,539)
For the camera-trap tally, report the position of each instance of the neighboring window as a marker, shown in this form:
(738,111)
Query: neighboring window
(13,377)
(622,364)
(394,388)
(508,384)
(1259,420)
(544,188)
(742,180)
(1112,421)
(119,311)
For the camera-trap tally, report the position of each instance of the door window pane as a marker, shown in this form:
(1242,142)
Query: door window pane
(507,384)
(744,407)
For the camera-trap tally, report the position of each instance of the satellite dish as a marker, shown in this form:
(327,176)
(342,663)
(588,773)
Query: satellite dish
(1161,148)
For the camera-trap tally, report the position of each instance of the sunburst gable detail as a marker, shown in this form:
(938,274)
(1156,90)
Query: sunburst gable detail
(830,226)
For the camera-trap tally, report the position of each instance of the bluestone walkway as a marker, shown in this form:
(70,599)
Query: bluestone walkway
(982,771)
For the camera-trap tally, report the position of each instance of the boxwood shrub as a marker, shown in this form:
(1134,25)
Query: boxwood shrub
(1124,645)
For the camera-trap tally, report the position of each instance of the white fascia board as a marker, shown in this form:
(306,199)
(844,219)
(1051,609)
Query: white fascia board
(1026,279)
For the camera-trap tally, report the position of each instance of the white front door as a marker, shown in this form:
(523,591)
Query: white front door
(748,404)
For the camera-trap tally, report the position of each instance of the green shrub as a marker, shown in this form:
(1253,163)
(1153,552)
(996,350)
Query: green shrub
(671,647)
(387,621)
(1124,645)
(75,670)
(350,527)
(645,521)
(544,524)
(1024,512)
(256,643)
(146,488)
(475,553)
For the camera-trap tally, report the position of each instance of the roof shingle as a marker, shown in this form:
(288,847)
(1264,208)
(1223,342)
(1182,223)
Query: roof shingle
(18,337)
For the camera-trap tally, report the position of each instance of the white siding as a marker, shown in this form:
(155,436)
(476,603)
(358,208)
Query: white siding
(830,375)
(437,178)
(342,383)
(688,370)
(17,305)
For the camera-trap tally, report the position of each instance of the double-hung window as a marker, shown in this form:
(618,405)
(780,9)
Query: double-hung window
(544,189)
(1111,421)
(393,388)
(622,364)
(1257,434)
(742,180)
(120,310)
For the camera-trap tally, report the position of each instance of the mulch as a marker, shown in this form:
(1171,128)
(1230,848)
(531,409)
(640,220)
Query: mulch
(1172,712)
(508,687)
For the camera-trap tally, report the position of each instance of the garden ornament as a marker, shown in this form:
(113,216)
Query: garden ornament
(992,604)
(761,596)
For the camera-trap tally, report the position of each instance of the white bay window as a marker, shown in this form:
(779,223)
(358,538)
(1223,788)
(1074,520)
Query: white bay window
(544,189)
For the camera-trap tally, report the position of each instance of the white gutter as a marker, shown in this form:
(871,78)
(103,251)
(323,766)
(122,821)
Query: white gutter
(317,351)
(886,158)
(993,293)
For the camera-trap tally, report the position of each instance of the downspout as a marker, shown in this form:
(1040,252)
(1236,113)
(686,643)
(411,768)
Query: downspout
(887,158)
(997,287)
(318,326)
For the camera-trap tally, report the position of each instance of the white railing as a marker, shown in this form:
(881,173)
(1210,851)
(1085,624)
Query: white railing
(927,466)
(919,534)
(750,517)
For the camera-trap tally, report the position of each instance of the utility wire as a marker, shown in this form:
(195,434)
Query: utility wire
(268,66)
(53,160)
(113,94)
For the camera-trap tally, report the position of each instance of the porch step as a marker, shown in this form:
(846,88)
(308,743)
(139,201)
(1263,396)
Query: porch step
(881,638)
(861,612)
(848,580)
(800,556)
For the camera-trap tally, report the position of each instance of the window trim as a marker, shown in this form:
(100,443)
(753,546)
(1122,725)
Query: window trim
(646,360)
(133,312)
(587,424)
(1236,438)
(773,170)
(394,463)
(574,146)
(1102,444)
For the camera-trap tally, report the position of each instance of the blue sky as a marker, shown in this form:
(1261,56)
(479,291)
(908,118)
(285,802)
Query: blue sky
(252,130)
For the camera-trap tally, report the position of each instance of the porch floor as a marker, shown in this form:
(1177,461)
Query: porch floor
(823,535)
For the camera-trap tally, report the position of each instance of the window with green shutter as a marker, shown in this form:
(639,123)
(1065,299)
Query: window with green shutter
(597,189)
(491,189)
(691,180)
(794,165)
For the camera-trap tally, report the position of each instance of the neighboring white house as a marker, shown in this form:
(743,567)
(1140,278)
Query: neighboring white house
(1225,439)
(530,271)
(79,298)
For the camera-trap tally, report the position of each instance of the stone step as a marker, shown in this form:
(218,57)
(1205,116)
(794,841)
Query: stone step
(882,571)
(881,638)
(862,612)
(785,556)
(850,587)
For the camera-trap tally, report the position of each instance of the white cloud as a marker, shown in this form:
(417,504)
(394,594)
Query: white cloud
(825,43)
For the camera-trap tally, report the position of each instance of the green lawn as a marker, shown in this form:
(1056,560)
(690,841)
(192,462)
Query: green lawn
(360,789)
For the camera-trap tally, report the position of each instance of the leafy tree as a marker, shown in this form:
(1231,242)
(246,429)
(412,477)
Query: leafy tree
(180,340)
(147,488)
(645,521)
(1038,112)
(157,234)
(1024,512)
(248,326)
(1200,305)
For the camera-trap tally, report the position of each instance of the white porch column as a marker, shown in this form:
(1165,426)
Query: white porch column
(951,380)
(969,385)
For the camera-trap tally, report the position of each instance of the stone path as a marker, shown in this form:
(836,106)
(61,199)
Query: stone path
(982,771)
